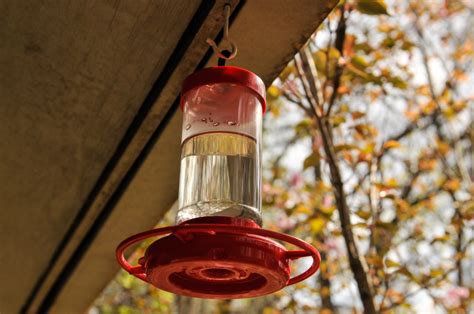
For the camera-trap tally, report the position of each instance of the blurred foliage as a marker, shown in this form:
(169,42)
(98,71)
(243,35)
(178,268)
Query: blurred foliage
(394,92)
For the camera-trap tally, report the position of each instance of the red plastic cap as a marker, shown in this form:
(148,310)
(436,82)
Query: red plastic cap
(226,74)
(218,258)
(226,266)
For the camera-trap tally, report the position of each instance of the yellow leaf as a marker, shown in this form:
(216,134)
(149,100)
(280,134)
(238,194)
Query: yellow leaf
(443,147)
(325,64)
(391,144)
(362,225)
(269,310)
(317,225)
(301,209)
(374,260)
(337,120)
(327,210)
(359,62)
(273,92)
(290,69)
(391,263)
(442,238)
(392,182)
(436,272)
(355,70)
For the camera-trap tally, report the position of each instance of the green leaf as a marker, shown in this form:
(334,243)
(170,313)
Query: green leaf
(372,7)
(325,64)
(363,214)
(359,62)
(398,82)
(342,147)
(312,160)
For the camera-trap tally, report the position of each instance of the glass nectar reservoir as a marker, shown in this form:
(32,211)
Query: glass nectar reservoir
(221,145)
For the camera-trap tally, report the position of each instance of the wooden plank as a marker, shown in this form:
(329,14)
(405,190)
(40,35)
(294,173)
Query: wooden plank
(264,47)
(73,75)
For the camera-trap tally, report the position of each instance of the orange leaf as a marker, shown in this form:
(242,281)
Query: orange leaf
(452,185)
(357,115)
(391,144)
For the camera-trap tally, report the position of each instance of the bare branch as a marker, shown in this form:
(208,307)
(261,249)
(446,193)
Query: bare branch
(339,45)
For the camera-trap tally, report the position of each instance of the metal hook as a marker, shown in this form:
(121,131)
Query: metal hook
(233,46)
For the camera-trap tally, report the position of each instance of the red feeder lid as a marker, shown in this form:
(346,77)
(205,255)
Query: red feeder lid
(218,258)
(226,74)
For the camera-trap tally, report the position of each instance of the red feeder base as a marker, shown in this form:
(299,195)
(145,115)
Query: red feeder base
(218,258)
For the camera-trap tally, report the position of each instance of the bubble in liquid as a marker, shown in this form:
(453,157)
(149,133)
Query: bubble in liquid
(215,124)
(231,123)
(204,120)
(187,127)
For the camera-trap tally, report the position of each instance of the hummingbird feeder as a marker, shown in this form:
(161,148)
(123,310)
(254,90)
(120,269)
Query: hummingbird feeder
(217,249)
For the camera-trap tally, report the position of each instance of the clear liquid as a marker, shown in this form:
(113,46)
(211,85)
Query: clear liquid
(220,176)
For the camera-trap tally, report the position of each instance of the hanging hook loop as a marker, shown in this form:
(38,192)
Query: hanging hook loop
(224,54)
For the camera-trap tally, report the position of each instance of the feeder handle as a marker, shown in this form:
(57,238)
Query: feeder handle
(138,271)
(307,249)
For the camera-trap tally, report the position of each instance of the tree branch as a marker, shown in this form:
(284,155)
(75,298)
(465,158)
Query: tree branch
(339,45)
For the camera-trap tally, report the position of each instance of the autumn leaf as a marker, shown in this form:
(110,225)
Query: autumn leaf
(391,263)
(363,214)
(357,115)
(312,160)
(452,185)
(317,225)
(427,164)
(326,61)
(273,92)
(301,209)
(372,7)
(391,144)
(344,147)
(436,272)
(327,210)
(359,62)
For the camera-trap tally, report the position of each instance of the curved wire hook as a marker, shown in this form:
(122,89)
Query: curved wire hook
(233,46)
